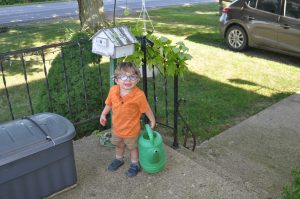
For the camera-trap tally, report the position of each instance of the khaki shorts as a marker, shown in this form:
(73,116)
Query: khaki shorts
(131,143)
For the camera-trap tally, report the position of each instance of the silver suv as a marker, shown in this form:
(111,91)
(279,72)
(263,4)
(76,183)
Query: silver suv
(268,24)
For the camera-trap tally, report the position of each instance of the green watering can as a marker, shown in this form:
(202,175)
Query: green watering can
(152,156)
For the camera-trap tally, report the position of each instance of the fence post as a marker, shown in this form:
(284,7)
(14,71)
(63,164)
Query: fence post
(6,90)
(50,107)
(143,46)
(144,70)
(175,131)
(112,67)
(27,86)
(100,81)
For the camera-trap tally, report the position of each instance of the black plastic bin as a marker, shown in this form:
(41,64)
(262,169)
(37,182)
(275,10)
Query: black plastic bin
(36,156)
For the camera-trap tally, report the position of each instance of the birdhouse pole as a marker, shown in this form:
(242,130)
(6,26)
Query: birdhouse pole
(112,66)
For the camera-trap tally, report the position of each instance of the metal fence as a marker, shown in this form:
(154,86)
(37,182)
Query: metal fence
(33,64)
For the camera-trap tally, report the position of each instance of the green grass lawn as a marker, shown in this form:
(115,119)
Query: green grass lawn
(222,87)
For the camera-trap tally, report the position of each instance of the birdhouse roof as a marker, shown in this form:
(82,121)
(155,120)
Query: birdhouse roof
(119,36)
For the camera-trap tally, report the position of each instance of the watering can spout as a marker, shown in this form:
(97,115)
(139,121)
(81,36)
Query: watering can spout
(155,156)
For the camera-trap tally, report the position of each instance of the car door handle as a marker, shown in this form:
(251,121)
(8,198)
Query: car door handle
(250,18)
(285,26)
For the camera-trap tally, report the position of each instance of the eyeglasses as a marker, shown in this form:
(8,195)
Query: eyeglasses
(129,77)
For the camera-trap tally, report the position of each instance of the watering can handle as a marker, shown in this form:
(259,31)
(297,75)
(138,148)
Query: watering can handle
(150,133)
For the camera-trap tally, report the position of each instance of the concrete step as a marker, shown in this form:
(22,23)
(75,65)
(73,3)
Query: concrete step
(181,178)
(210,161)
(260,152)
(206,158)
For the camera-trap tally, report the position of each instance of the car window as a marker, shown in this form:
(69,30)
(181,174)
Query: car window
(292,9)
(251,3)
(272,6)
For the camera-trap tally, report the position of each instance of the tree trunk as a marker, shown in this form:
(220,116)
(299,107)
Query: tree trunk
(91,15)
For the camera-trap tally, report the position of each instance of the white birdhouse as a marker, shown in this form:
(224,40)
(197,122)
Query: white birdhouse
(114,42)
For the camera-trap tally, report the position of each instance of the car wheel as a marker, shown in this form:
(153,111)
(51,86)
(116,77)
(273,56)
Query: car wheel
(236,38)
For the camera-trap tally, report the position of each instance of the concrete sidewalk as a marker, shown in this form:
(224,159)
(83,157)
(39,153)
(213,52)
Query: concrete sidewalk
(250,160)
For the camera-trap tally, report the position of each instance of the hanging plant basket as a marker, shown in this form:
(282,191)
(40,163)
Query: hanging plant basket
(126,12)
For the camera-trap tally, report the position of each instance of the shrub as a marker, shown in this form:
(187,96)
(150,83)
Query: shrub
(293,191)
(74,72)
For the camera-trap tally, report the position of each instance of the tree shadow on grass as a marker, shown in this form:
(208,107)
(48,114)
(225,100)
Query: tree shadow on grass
(15,66)
(278,95)
(212,39)
(211,106)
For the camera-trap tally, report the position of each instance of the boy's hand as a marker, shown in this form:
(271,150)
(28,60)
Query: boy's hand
(152,123)
(151,118)
(105,111)
(102,120)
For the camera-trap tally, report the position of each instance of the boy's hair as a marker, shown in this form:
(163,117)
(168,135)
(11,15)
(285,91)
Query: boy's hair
(128,67)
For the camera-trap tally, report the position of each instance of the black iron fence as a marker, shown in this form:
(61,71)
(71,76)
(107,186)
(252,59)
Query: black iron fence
(20,98)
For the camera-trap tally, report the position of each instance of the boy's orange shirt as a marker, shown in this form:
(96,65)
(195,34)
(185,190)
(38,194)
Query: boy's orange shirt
(127,111)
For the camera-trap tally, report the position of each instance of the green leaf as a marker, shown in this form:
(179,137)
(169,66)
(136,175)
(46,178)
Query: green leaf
(164,39)
(171,69)
(180,43)
(181,56)
(188,56)
(176,50)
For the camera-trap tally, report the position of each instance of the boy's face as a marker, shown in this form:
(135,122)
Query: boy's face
(126,80)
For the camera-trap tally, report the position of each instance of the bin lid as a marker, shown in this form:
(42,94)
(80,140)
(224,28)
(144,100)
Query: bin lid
(23,137)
